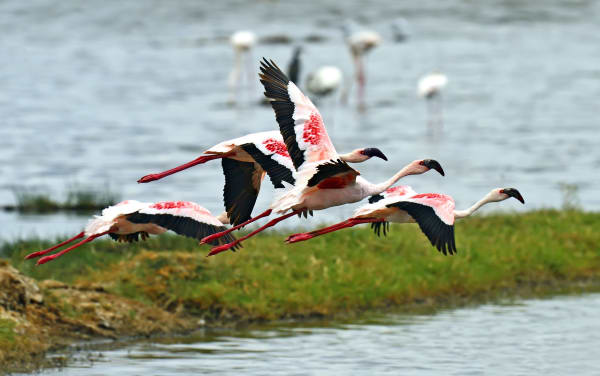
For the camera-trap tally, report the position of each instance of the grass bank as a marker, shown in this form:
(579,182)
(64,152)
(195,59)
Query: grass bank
(341,273)
(78,199)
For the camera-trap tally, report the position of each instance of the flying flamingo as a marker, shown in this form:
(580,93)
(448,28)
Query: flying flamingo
(434,213)
(430,87)
(128,221)
(245,160)
(323,180)
(242,43)
(360,43)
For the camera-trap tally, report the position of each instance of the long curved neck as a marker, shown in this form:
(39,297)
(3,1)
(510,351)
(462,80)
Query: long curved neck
(473,208)
(352,157)
(375,189)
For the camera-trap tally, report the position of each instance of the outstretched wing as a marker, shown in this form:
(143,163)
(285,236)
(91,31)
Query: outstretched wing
(273,157)
(242,184)
(300,122)
(393,193)
(184,218)
(434,214)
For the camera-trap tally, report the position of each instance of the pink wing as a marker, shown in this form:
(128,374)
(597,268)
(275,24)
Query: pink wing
(435,215)
(300,122)
(184,218)
(399,191)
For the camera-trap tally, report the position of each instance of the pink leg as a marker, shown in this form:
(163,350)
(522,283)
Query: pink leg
(45,259)
(40,253)
(197,161)
(208,238)
(347,223)
(273,222)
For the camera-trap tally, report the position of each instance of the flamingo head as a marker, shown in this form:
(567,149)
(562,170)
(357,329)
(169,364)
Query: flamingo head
(371,152)
(424,165)
(506,193)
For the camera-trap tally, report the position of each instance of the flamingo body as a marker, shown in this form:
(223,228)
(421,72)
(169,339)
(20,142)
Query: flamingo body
(431,84)
(435,214)
(324,80)
(131,220)
(243,40)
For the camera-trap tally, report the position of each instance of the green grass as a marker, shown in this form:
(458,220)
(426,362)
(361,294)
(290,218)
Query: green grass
(77,199)
(347,271)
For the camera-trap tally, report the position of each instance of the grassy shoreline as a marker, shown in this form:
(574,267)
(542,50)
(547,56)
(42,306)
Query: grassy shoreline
(499,256)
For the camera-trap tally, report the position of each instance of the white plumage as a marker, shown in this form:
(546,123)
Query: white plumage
(324,80)
(431,84)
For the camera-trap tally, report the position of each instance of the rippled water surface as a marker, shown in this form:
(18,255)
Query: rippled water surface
(104,92)
(558,336)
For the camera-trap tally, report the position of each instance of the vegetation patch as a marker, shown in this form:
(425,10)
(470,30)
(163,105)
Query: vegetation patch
(499,255)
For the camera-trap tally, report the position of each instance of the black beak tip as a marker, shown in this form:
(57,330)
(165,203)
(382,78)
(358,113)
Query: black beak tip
(514,193)
(433,164)
(374,152)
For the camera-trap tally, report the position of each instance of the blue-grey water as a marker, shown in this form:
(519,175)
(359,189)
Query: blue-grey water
(557,336)
(103,92)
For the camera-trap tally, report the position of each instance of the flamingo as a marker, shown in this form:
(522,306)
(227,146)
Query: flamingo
(324,81)
(360,43)
(434,213)
(130,221)
(242,43)
(245,160)
(430,87)
(323,180)
(294,67)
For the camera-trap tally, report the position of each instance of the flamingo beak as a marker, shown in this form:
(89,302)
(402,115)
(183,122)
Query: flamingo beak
(512,192)
(433,164)
(374,152)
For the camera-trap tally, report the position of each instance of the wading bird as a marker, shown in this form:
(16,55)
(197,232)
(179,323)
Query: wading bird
(245,160)
(323,180)
(242,43)
(128,221)
(360,43)
(324,81)
(434,213)
(295,65)
(430,87)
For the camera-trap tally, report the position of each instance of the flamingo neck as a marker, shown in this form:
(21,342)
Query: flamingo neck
(375,189)
(353,157)
(467,212)
(223,218)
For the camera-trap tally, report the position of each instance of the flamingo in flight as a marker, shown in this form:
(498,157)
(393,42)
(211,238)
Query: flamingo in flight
(361,42)
(323,180)
(129,221)
(430,87)
(242,43)
(245,160)
(434,213)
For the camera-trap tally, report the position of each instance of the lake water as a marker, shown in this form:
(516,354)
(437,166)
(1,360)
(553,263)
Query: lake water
(557,336)
(103,92)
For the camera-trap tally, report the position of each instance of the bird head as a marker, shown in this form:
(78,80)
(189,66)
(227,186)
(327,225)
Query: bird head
(425,165)
(506,193)
(372,152)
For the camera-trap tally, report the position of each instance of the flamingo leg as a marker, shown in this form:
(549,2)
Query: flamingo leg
(197,161)
(208,238)
(45,259)
(40,253)
(338,226)
(271,223)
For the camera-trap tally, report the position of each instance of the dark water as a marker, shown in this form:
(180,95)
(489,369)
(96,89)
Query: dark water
(535,337)
(103,92)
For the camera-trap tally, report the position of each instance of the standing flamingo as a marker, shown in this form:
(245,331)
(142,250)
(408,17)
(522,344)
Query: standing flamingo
(430,87)
(324,81)
(323,180)
(294,66)
(245,160)
(242,43)
(360,43)
(128,221)
(433,212)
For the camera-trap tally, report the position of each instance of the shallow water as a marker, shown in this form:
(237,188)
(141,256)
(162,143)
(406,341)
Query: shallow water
(551,337)
(107,91)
